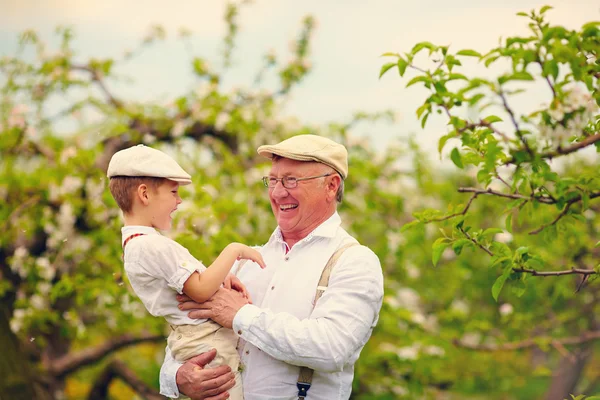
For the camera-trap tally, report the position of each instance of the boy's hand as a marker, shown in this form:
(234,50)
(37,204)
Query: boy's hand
(233,282)
(244,252)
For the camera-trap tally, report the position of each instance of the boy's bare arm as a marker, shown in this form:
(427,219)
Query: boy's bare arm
(201,287)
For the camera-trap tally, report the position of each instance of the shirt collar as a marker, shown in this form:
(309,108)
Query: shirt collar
(129,230)
(327,229)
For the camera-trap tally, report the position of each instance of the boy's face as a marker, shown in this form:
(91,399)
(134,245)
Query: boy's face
(162,203)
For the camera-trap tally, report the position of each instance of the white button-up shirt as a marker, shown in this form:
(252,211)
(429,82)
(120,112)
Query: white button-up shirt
(157,267)
(281,331)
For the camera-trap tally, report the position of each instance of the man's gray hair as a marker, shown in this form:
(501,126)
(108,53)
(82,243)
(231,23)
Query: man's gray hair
(340,192)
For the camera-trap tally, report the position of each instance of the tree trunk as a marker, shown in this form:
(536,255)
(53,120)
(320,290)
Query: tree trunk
(568,373)
(16,382)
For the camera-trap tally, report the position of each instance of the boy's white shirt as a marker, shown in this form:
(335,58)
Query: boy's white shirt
(157,267)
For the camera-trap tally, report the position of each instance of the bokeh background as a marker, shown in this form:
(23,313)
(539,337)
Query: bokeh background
(208,82)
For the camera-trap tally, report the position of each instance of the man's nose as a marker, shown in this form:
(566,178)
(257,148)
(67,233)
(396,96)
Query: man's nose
(279,190)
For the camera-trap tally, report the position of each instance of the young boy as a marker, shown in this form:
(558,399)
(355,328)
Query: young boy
(144,182)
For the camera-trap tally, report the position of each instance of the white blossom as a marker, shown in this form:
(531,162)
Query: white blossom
(44,288)
(408,353)
(506,309)
(16,323)
(412,271)
(16,118)
(70,185)
(67,154)
(179,128)
(222,120)
(503,237)
(45,269)
(471,339)
(434,351)
(460,306)
(408,298)
(38,302)
(148,138)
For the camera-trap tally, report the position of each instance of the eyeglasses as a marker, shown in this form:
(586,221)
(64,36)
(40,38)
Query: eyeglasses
(289,182)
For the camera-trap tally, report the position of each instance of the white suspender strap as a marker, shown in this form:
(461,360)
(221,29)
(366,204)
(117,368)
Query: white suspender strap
(306,374)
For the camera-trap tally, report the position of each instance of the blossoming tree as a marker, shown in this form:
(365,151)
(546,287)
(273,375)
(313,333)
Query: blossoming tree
(537,169)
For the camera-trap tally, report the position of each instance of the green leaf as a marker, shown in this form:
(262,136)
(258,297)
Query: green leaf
(424,120)
(423,45)
(410,225)
(491,232)
(416,79)
(499,284)
(390,55)
(500,249)
(469,53)
(544,9)
(551,68)
(386,67)
(518,288)
(508,222)
(490,119)
(444,139)
(453,77)
(438,248)
(585,201)
(456,159)
(402,64)
(458,245)
(517,76)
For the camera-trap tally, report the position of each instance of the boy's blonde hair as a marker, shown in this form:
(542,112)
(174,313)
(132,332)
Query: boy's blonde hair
(123,188)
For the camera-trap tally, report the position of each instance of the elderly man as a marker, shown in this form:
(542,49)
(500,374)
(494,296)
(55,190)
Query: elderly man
(286,327)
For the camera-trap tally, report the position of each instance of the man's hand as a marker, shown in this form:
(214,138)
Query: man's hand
(221,307)
(199,383)
(232,282)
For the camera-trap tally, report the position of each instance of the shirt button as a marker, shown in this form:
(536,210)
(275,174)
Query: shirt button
(239,332)
(179,337)
(272,287)
(247,351)
(286,258)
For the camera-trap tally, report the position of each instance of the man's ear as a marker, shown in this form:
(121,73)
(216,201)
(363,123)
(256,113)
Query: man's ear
(334,184)
(143,194)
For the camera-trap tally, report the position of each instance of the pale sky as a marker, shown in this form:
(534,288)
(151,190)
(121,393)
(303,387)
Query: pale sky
(349,39)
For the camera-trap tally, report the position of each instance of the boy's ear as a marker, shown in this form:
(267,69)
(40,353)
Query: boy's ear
(142,194)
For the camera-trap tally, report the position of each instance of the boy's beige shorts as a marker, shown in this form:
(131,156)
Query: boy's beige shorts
(187,341)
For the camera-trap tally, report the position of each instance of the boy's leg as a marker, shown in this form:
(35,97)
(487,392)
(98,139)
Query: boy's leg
(187,341)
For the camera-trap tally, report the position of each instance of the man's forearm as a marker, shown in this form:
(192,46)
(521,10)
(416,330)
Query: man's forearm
(168,374)
(325,342)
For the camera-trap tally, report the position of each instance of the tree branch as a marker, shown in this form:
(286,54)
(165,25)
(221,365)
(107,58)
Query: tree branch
(97,77)
(118,369)
(572,271)
(71,362)
(515,196)
(563,212)
(463,212)
(515,123)
(560,151)
(482,247)
(535,342)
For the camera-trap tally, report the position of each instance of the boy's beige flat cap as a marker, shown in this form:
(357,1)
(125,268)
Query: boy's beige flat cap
(142,160)
(310,148)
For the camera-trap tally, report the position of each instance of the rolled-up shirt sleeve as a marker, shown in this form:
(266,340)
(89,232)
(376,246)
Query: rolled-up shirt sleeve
(168,375)
(341,322)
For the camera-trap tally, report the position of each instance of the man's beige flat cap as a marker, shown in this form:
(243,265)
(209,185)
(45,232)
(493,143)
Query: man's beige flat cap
(310,148)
